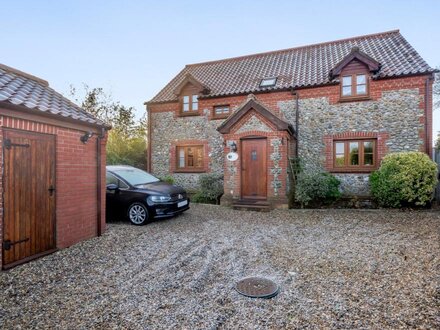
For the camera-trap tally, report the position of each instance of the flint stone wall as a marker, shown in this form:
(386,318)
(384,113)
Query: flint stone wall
(396,113)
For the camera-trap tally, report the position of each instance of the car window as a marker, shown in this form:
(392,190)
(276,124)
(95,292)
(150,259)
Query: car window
(111,179)
(135,176)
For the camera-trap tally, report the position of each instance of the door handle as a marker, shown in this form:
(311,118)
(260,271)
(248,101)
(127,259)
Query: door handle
(51,190)
(8,244)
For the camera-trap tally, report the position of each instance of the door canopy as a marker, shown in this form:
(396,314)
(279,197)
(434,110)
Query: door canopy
(253,104)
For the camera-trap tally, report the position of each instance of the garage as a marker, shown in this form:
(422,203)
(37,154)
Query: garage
(52,163)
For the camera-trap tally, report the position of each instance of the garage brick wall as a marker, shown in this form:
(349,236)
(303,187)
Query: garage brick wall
(76,187)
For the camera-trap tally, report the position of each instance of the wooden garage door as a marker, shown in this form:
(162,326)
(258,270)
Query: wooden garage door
(29,196)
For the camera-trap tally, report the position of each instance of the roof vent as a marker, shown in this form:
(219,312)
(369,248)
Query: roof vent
(268,82)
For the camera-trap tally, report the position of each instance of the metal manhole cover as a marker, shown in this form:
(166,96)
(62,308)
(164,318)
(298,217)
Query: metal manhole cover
(257,287)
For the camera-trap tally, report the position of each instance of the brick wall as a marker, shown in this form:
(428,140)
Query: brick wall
(76,173)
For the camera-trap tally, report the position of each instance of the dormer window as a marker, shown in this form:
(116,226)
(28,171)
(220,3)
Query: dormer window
(268,82)
(354,85)
(190,104)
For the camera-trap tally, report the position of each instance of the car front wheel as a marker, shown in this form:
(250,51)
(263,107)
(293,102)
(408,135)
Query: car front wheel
(138,214)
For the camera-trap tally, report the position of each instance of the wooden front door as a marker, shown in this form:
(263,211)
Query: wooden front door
(253,169)
(29,196)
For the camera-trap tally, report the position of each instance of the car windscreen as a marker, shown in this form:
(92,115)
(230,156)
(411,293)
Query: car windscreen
(135,177)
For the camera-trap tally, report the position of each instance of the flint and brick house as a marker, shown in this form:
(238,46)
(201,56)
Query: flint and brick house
(52,164)
(339,106)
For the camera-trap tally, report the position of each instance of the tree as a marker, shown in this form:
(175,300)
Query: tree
(127,139)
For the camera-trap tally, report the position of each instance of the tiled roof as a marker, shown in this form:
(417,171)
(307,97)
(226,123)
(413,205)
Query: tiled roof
(299,67)
(22,89)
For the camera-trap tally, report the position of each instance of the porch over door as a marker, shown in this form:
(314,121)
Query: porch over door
(29,195)
(253,169)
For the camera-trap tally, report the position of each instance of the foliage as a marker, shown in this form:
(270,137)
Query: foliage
(404,179)
(317,187)
(126,150)
(167,178)
(211,188)
(126,142)
(295,167)
(437,143)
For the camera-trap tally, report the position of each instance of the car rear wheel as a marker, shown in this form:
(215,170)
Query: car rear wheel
(138,214)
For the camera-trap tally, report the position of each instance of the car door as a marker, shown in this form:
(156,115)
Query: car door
(115,204)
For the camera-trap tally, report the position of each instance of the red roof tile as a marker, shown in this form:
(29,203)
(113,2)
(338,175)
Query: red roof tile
(299,67)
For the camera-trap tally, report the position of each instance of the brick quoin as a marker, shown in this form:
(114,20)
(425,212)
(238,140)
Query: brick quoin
(76,181)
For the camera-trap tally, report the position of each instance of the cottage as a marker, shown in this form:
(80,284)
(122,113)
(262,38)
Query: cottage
(339,106)
(53,170)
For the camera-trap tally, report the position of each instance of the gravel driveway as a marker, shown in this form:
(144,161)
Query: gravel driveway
(336,269)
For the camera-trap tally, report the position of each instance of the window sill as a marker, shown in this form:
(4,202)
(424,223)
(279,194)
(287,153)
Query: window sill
(354,99)
(190,114)
(346,170)
(190,171)
(219,117)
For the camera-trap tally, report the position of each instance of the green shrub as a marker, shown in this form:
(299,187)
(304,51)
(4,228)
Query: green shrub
(211,188)
(126,150)
(404,179)
(317,188)
(167,178)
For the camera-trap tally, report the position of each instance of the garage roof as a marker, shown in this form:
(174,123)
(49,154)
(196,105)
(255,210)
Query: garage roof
(22,89)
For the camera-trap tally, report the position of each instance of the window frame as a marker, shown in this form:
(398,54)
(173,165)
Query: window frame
(355,168)
(191,111)
(268,79)
(223,115)
(186,168)
(354,95)
(122,185)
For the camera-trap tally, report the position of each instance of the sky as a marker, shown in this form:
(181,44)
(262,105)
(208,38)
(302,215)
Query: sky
(134,48)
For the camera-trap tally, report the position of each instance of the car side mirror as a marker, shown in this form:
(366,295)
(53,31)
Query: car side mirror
(112,187)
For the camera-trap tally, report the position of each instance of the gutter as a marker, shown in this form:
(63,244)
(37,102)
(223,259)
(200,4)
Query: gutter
(99,181)
(428,101)
(148,138)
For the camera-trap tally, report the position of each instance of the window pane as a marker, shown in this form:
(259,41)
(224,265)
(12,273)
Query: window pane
(339,147)
(368,159)
(185,107)
(110,179)
(368,147)
(221,110)
(361,89)
(186,99)
(339,154)
(195,98)
(195,106)
(268,82)
(346,81)
(340,160)
(368,153)
(354,153)
(181,157)
(190,157)
(346,91)
(361,79)
(199,157)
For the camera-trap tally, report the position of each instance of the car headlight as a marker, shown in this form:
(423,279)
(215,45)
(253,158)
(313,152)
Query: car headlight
(160,199)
